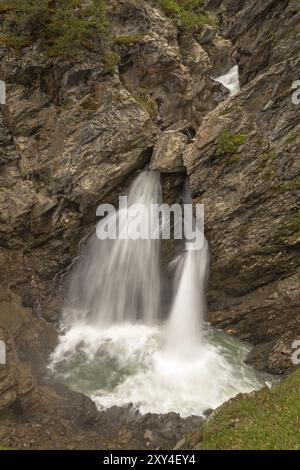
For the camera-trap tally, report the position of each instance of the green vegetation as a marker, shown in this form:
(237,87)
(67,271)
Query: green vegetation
(268,156)
(269,174)
(111,60)
(292,136)
(289,232)
(288,185)
(6,6)
(187,14)
(268,419)
(62,25)
(229,144)
(65,26)
(235,158)
(143,98)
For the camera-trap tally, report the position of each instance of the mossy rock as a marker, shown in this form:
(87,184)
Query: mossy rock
(229,144)
(289,232)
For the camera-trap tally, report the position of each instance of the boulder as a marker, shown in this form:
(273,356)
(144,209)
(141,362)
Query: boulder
(168,151)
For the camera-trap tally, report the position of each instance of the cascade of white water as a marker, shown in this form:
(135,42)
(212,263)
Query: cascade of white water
(118,280)
(185,329)
(116,351)
(230,80)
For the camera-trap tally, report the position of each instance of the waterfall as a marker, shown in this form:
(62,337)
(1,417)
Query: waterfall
(185,332)
(230,80)
(185,329)
(117,281)
(114,347)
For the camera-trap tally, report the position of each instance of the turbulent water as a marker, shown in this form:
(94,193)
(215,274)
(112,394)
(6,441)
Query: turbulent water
(230,80)
(129,364)
(115,349)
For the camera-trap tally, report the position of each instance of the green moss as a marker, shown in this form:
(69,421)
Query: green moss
(292,136)
(269,174)
(268,419)
(64,106)
(231,109)
(229,144)
(128,40)
(111,60)
(187,14)
(288,185)
(143,98)
(289,232)
(288,33)
(268,156)
(14,42)
(234,158)
(6,7)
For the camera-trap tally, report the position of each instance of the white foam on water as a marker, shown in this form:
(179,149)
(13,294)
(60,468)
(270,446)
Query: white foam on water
(129,364)
(230,80)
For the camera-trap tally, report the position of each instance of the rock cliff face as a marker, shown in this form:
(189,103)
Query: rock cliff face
(74,132)
(244,166)
(264,33)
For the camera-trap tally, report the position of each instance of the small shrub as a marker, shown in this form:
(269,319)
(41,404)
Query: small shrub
(111,60)
(143,98)
(229,144)
(188,15)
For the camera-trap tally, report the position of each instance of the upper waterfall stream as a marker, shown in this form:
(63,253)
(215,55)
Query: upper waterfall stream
(230,80)
(114,348)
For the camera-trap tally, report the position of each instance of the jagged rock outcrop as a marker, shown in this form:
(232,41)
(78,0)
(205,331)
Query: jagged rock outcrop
(263,32)
(244,167)
(170,71)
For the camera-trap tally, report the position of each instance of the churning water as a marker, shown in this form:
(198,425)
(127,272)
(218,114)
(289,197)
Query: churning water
(230,80)
(129,364)
(115,349)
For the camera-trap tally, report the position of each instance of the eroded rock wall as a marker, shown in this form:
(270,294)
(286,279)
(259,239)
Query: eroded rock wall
(245,167)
